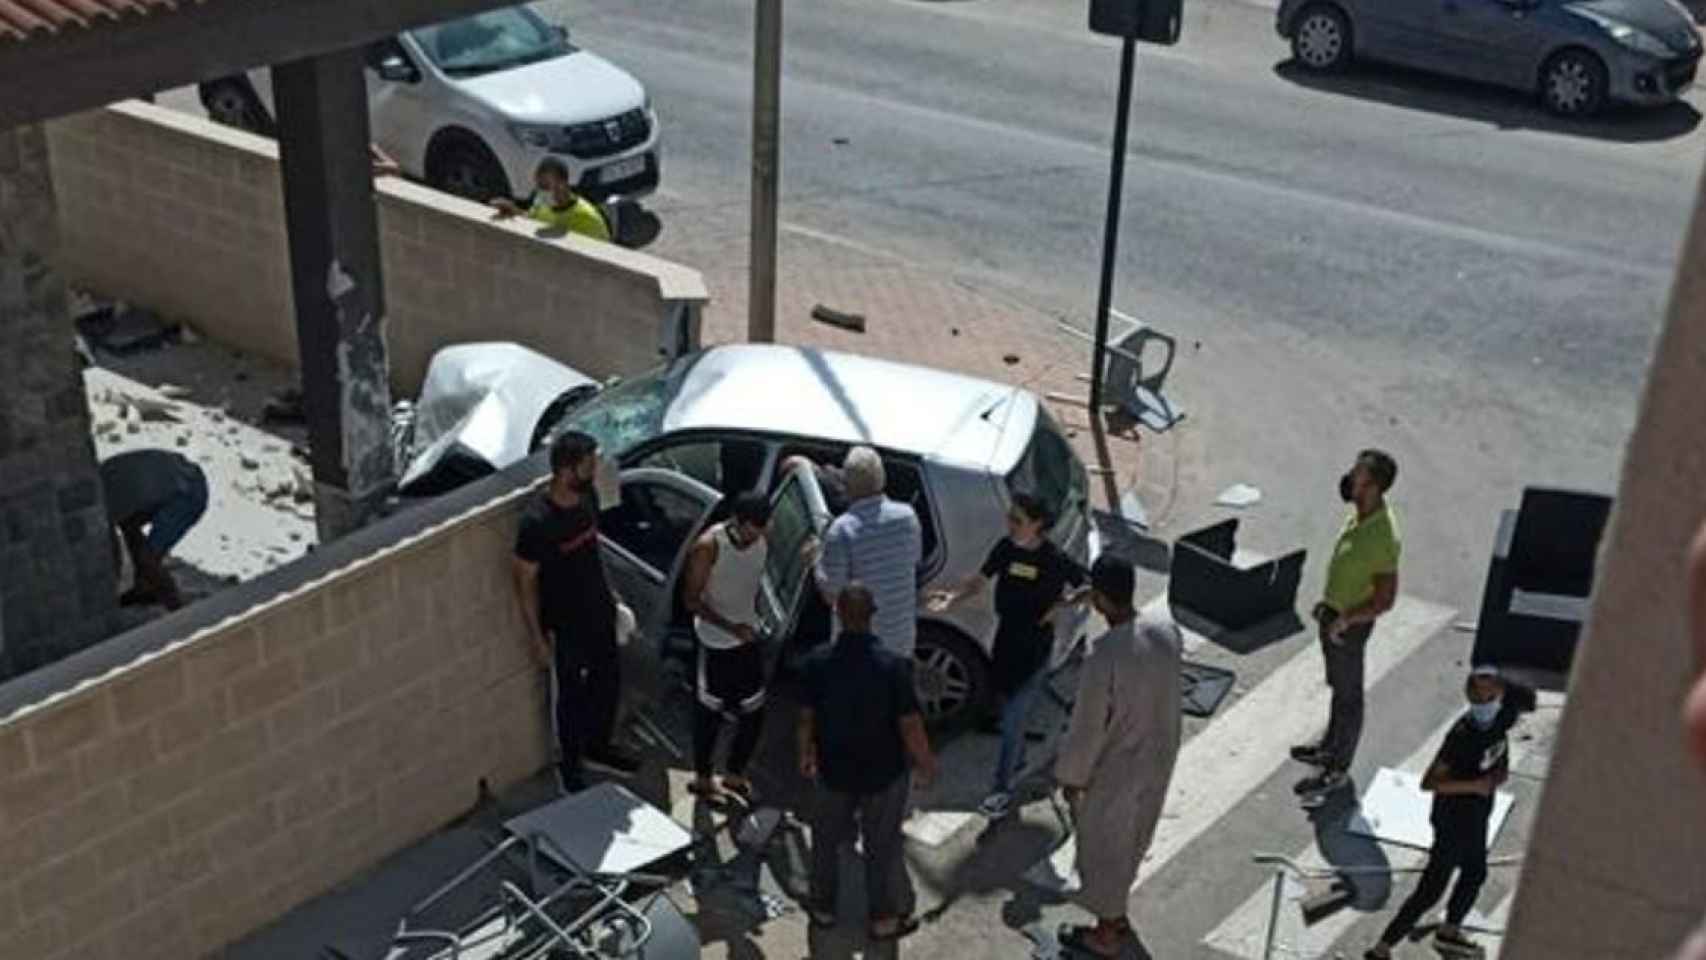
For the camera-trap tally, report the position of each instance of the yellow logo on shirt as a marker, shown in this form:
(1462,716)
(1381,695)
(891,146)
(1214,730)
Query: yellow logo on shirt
(1024,571)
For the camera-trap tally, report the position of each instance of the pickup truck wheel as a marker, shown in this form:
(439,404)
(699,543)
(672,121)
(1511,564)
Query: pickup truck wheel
(466,167)
(231,102)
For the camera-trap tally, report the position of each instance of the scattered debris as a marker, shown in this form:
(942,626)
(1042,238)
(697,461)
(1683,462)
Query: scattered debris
(1010,359)
(248,463)
(284,407)
(836,318)
(1466,626)
(1239,496)
(953,331)
(840,141)
(123,330)
(172,391)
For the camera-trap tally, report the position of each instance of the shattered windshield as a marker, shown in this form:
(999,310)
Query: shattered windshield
(632,411)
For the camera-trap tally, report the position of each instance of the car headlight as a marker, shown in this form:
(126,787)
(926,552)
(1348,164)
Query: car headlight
(538,136)
(1633,38)
(1639,41)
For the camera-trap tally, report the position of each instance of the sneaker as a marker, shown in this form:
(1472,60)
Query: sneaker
(1457,945)
(613,759)
(569,785)
(996,805)
(1373,954)
(1321,783)
(1310,753)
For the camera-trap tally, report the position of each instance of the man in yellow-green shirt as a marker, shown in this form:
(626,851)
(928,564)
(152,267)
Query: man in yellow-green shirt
(1362,584)
(557,205)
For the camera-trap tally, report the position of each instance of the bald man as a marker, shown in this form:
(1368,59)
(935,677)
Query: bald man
(859,731)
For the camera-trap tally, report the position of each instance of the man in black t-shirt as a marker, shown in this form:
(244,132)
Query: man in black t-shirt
(1466,774)
(570,611)
(1031,577)
(859,731)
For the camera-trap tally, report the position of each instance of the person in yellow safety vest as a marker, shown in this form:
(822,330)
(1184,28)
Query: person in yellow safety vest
(557,205)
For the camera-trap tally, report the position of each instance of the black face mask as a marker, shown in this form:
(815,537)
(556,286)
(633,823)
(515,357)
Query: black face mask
(1347,488)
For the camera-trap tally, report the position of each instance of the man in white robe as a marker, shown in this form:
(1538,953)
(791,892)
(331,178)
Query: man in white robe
(1118,753)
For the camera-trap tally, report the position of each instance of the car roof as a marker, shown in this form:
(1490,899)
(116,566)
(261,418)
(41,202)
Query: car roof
(844,398)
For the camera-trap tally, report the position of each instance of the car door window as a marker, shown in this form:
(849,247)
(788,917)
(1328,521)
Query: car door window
(906,485)
(797,513)
(652,522)
(725,464)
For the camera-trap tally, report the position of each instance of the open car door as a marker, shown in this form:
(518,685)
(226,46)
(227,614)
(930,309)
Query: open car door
(646,535)
(798,513)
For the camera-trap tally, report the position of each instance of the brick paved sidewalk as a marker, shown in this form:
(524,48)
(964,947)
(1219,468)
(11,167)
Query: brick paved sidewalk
(920,316)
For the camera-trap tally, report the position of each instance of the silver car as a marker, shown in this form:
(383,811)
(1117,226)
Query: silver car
(710,424)
(1577,54)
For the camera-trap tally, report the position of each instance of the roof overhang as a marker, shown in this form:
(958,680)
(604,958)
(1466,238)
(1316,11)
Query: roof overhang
(80,67)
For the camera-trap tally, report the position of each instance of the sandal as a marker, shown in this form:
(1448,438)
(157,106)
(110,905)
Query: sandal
(903,926)
(740,790)
(1077,938)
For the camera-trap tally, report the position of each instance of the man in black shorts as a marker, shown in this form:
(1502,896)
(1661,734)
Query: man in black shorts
(570,611)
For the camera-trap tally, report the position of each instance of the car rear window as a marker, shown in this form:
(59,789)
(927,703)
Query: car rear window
(1049,470)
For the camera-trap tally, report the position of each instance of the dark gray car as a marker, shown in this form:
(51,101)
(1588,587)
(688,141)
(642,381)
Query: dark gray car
(1577,54)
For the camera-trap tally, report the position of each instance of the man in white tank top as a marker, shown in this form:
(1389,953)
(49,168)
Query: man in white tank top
(723,574)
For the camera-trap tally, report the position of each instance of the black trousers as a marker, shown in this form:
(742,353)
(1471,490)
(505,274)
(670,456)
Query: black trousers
(874,818)
(730,682)
(1345,678)
(586,684)
(1460,844)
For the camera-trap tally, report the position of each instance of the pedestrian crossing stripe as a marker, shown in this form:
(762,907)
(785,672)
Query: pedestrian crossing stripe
(1245,745)
(1243,932)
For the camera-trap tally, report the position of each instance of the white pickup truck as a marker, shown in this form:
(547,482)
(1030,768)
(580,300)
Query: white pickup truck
(471,106)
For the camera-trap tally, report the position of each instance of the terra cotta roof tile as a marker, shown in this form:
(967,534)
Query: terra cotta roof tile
(22,20)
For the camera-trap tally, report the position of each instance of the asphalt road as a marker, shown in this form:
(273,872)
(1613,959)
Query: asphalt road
(1381,258)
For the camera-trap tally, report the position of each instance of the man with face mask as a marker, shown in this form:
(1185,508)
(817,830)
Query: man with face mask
(570,610)
(1471,765)
(1362,584)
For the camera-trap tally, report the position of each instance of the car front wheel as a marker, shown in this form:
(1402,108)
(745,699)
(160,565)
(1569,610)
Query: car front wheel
(1573,84)
(1321,39)
(950,676)
(465,167)
(232,103)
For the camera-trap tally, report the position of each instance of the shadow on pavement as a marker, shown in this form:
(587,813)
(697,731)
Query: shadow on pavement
(1495,106)
(1341,849)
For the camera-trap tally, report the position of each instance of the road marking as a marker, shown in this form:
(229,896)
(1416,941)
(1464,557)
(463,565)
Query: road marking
(1243,748)
(1243,932)
(1199,169)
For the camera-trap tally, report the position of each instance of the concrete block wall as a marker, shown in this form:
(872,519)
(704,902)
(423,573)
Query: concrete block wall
(1616,863)
(182,215)
(57,592)
(176,803)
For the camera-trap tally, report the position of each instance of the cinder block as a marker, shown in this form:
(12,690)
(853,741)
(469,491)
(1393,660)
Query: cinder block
(266,688)
(14,754)
(214,661)
(36,937)
(237,746)
(115,896)
(65,726)
(133,842)
(151,688)
(115,758)
(157,787)
(11,918)
(302,716)
(51,884)
(192,723)
(45,788)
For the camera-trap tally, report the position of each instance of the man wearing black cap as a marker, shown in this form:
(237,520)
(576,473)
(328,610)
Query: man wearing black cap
(1117,757)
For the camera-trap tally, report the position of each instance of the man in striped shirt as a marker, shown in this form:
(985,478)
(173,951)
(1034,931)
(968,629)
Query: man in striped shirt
(877,542)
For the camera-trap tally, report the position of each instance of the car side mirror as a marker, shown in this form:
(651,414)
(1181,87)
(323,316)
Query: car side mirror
(396,68)
(560,32)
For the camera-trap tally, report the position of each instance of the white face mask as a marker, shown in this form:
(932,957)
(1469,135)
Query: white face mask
(607,483)
(1483,714)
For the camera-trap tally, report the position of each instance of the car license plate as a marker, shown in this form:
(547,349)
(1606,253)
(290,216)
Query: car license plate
(622,170)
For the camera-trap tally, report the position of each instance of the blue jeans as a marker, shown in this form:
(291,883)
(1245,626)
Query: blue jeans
(1015,714)
(176,516)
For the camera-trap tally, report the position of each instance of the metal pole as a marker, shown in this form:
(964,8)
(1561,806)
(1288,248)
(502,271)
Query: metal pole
(1111,231)
(766,168)
(1273,915)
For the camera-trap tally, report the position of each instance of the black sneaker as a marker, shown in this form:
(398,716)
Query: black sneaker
(1457,945)
(613,759)
(1310,753)
(1321,783)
